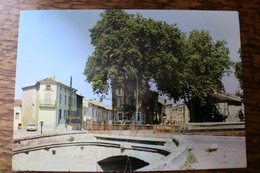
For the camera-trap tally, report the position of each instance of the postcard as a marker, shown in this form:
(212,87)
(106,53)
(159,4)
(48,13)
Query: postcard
(128,90)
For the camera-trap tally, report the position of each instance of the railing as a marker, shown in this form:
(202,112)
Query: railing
(216,126)
(130,129)
(47,103)
(222,129)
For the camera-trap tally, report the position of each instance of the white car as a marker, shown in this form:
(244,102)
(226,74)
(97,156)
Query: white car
(31,127)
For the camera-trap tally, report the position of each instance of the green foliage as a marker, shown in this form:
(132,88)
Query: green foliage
(198,73)
(129,47)
(71,119)
(71,139)
(191,159)
(205,110)
(53,152)
(132,48)
(238,72)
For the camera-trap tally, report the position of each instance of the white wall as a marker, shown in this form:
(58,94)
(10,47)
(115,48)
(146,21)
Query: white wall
(17,116)
(63,94)
(29,107)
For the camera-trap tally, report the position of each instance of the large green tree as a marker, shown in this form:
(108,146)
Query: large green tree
(139,50)
(128,48)
(198,75)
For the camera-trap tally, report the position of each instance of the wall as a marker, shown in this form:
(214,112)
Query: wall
(29,107)
(17,116)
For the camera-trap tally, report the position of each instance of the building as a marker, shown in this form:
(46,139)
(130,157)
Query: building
(150,105)
(50,102)
(96,112)
(230,107)
(17,114)
(177,114)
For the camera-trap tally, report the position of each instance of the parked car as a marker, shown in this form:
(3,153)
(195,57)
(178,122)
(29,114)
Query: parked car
(31,127)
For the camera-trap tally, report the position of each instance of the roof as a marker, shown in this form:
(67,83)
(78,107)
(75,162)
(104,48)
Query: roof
(225,97)
(99,104)
(17,102)
(48,80)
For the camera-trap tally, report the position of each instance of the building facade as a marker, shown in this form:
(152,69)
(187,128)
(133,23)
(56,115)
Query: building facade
(177,114)
(230,107)
(50,102)
(17,114)
(96,112)
(150,105)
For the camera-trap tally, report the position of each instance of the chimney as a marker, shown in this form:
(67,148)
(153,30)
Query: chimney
(71,81)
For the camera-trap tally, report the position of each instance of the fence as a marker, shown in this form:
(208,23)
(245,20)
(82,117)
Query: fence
(225,128)
(130,129)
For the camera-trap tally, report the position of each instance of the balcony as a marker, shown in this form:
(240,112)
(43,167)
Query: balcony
(47,103)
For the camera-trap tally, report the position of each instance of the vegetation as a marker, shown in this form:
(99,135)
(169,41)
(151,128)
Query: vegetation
(53,152)
(238,70)
(132,48)
(191,159)
(71,139)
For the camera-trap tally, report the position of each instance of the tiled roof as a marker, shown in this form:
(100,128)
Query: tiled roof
(99,104)
(226,97)
(17,102)
(48,80)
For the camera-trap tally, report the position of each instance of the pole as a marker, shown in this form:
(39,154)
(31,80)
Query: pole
(136,114)
(41,126)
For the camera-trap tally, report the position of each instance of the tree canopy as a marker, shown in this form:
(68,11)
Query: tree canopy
(129,47)
(184,67)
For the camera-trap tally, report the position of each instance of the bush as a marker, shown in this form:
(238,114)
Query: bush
(81,147)
(71,139)
(53,152)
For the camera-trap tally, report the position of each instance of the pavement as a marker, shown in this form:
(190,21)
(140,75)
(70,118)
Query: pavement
(230,152)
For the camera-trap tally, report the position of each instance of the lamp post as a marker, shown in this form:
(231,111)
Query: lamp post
(41,126)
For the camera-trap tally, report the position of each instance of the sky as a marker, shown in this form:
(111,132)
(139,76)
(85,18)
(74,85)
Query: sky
(57,43)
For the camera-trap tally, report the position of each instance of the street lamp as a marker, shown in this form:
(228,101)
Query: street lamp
(41,122)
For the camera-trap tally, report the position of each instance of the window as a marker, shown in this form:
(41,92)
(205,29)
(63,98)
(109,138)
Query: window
(59,113)
(60,98)
(47,98)
(92,112)
(138,116)
(120,116)
(65,100)
(119,92)
(65,114)
(119,102)
(48,87)
(17,116)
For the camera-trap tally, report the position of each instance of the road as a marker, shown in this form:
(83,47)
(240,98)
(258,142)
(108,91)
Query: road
(231,152)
